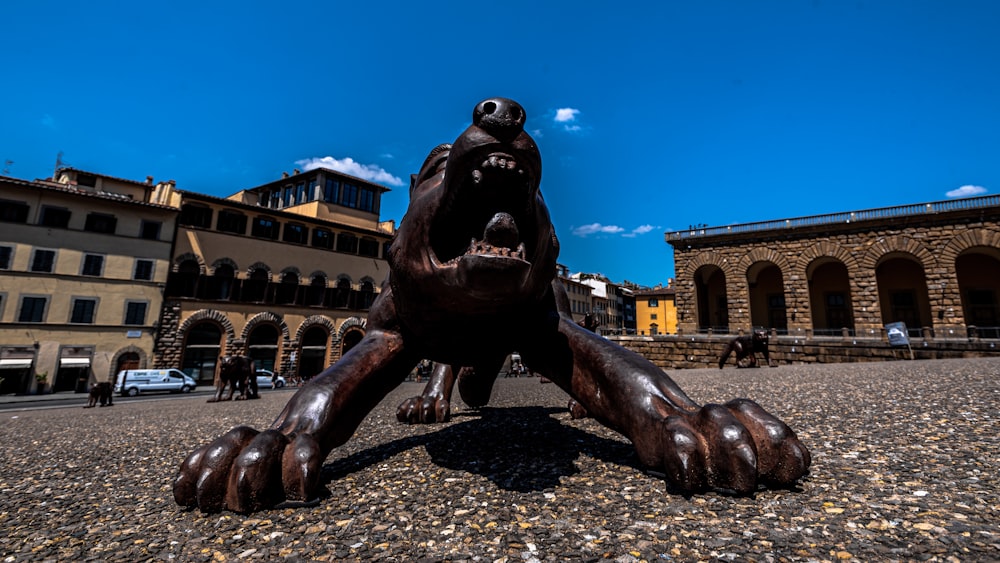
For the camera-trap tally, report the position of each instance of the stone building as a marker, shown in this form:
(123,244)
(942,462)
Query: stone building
(934,266)
(284,273)
(83,261)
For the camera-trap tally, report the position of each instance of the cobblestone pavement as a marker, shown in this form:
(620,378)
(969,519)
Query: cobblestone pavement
(905,467)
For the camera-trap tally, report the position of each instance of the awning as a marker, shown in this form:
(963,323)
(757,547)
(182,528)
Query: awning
(74,362)
(15,363)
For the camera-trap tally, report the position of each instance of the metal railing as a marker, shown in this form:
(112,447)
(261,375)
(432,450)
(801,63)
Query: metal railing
(839,218)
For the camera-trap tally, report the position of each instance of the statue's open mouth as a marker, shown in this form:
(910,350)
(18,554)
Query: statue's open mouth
(488,214)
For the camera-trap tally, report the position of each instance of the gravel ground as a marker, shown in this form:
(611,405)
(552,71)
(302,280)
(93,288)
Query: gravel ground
(905,467)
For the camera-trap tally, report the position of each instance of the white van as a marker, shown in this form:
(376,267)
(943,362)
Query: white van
(131,382)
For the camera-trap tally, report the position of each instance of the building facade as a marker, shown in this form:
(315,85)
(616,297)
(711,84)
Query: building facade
(933,266)
(83,263)
(656,312)
(283,273)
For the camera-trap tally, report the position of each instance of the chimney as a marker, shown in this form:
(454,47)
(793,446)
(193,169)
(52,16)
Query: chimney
(295,172)
(284,174)
(149,180)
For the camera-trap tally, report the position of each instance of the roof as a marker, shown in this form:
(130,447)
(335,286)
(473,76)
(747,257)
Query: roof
(126,180)
(312,171)
(78,191)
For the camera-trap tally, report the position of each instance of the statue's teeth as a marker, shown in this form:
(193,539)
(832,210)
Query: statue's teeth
(477,176)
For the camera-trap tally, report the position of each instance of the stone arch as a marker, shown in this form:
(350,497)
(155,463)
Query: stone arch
(763,254)
(211,315)
(227,262)
(708,259)
(259,266)
(265,317)
(897,244)
(967,239)
(343,276)
(319,274)
(825,249)
(143,359)
(309,322)
(292,270)
(349,324)
(175,267)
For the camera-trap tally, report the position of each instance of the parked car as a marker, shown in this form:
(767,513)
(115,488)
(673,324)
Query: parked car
(131,382)
(266,380)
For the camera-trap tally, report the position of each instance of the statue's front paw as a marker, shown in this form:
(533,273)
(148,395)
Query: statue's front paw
(245,470)
(732,447)
(424,410)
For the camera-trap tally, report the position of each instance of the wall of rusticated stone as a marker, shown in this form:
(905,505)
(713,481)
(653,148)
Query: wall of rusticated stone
(935,240)
(682,352)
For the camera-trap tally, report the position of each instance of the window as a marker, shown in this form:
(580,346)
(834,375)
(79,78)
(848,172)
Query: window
(43,260)
(93,265)
(13,211)
(231,222)
(652,316)
(322,238)
(143,270)
(346,242)
(57,217)
(330,190)
(6,253)
(367,200)
(296,233)
(300,193)
(195,216)
(83,311)
(32,309)
(150,230)
(135,312)
(265,227)
(368,247)
(654,303)
(286,198)
(311,192)
(349,195)
(264,199)
(100,223)
(84,179)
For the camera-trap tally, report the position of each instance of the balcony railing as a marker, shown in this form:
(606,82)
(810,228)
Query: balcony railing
(840,218)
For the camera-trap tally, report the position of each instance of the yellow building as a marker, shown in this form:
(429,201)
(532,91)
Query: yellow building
(83,262)
(656,311)
(284,273)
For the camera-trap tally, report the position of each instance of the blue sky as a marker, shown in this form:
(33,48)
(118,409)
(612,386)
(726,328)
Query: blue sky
(650,116)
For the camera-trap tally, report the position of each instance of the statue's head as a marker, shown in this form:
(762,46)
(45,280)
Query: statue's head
(477,234)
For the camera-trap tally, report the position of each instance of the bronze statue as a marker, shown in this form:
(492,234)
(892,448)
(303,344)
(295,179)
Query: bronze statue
(103,392)
(747,347)
(463,303)
(237,373)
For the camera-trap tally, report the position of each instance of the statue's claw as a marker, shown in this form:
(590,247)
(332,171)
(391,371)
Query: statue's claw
(424,410)
(245,470)
(732,448)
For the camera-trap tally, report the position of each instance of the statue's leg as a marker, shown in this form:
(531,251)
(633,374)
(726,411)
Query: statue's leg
(434,403)
(245,470)
(730,447)
(475,384)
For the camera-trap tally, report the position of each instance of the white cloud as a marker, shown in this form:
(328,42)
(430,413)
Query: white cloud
(564,115)
(370,172)
(640,230)
(598,228)
(967,191)
(594,228)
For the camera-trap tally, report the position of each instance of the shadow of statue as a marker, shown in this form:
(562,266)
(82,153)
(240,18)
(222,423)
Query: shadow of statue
(521,449)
